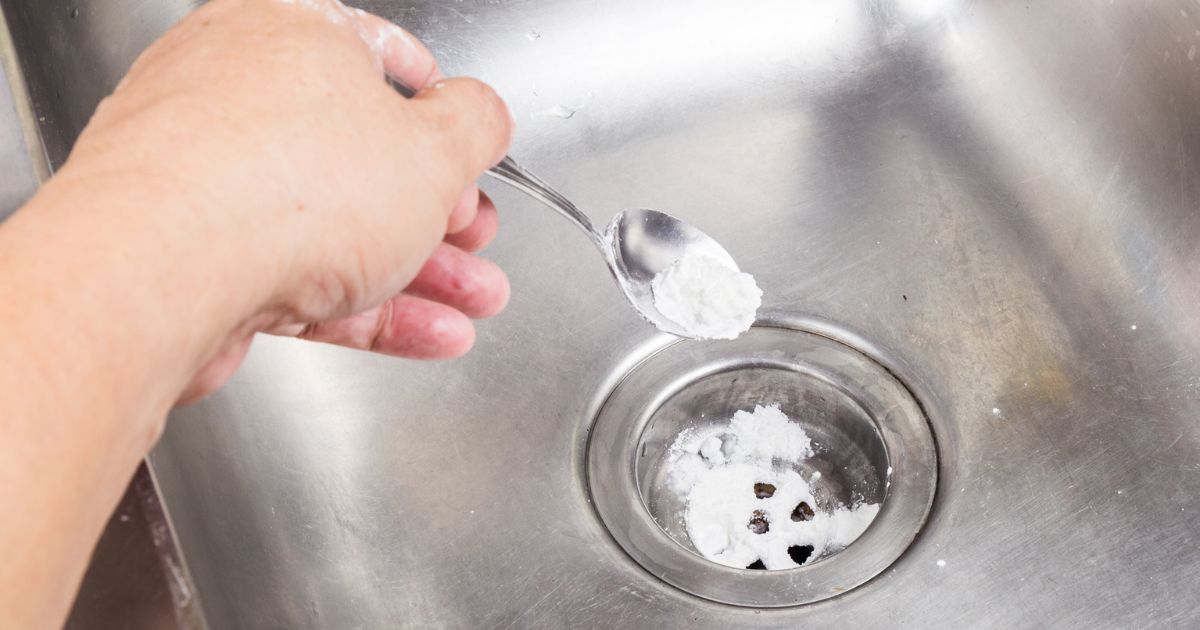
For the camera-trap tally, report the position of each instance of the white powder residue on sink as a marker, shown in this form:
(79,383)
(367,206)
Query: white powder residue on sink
(706,298)
(723,471)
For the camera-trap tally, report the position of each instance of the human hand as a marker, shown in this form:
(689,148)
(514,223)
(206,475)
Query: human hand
(252,172)
(325,205)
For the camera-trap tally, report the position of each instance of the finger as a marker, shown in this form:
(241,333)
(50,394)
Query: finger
(481,231)
(470,284)
(218,370)
(473,125)
(401,55)
(404,326)
(464,210)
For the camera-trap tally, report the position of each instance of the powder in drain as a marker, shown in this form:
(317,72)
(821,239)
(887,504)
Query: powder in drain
(730,519)
(706,297)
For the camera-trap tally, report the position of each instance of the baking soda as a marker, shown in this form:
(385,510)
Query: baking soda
(706,297)
(723,470)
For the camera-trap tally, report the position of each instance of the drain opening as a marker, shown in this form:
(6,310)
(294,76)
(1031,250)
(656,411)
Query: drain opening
(803,512)
(769,516)
(758,523)
(800,553)
(781,465)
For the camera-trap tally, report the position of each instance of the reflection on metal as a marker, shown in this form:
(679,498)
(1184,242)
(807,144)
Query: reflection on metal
(22,158)
(137,578)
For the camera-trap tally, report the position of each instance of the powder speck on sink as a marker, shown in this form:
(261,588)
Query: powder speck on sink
(706,297)
(718,471)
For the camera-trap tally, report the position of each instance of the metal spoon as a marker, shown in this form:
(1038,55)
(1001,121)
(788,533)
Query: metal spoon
(637,245)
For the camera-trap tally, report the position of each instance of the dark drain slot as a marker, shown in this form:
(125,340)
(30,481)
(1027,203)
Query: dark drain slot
(758,522)
(800,553)
(803,512)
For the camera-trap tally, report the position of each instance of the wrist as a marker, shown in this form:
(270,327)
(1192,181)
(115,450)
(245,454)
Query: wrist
(127,280)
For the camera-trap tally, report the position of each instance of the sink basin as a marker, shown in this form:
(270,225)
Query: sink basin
(998,200)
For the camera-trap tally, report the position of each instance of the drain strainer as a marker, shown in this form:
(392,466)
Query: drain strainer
(873,445)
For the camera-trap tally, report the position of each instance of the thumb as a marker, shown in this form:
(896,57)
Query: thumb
(471,122)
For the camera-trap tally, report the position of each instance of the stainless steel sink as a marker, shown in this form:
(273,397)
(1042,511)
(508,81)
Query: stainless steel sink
(1000,200)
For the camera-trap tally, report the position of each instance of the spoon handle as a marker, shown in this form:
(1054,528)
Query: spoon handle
(513,174)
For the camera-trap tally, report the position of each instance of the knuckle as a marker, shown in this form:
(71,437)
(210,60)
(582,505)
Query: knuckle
(491,109)
(500,118)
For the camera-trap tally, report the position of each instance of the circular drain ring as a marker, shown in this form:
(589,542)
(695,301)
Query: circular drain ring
(612,457)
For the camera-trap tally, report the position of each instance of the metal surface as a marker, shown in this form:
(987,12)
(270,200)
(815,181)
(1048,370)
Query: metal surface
(74,52)
(136,579)
(21,158)
(873,444)
(637,245)
(999,197)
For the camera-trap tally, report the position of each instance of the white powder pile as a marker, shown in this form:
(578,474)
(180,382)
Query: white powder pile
(722,472)
(708,299)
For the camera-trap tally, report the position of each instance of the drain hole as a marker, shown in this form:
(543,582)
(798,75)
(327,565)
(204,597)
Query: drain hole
(758,522)
(670,473)
(803,512)
(800,553)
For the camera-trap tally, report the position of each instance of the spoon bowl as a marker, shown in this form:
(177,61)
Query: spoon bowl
(642,243)
(637,245)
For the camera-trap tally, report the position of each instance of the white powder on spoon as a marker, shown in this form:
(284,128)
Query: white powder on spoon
(723,472)
(706,297)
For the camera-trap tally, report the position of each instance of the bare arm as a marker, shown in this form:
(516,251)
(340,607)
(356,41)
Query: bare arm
(251,173)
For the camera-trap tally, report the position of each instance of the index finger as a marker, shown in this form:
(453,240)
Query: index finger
(397,52)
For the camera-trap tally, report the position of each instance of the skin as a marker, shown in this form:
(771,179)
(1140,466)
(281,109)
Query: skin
(251,173)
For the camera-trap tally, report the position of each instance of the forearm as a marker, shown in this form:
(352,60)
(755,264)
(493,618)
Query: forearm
(98,341)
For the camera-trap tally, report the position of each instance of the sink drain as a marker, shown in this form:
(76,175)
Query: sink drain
(871,443)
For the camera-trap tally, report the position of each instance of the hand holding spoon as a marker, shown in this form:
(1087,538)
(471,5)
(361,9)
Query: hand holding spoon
(638,244)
